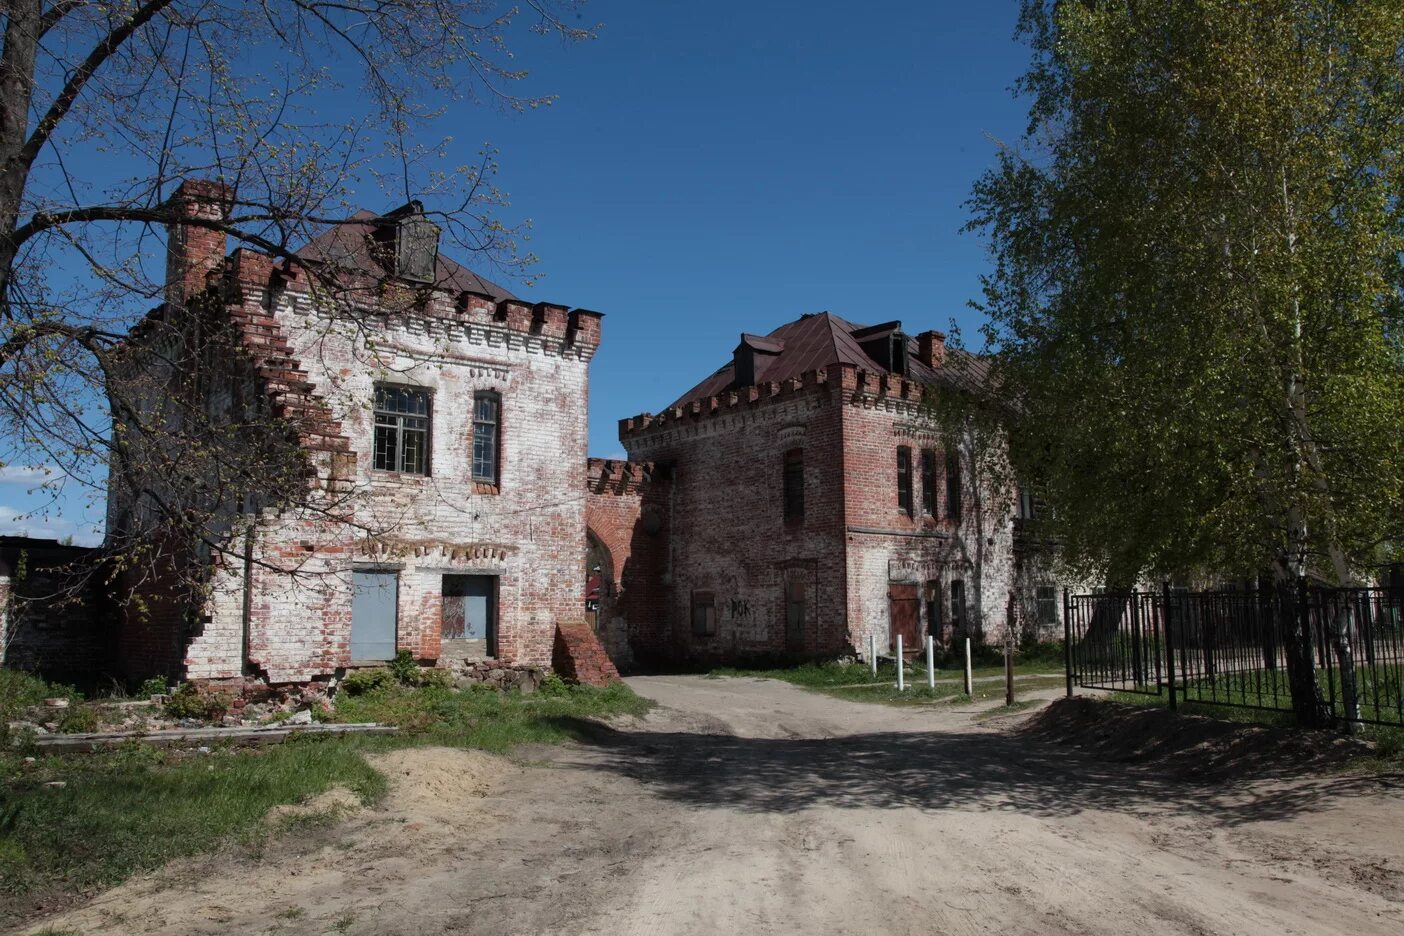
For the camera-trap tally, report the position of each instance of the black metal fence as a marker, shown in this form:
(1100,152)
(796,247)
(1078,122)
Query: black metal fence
(1243,648)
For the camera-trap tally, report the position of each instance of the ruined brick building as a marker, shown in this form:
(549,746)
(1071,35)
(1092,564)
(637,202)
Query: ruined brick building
(803,498)
(797,502)
(446,448)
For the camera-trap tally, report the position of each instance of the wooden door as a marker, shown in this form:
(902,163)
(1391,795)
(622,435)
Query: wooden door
(905,618)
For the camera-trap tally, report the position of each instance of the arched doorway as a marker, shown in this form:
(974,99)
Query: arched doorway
(602,606)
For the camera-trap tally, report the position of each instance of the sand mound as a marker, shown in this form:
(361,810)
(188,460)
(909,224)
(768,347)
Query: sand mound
(1188,746)
(436,780)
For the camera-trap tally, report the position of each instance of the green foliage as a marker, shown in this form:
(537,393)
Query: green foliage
(1195,311)
(492,720)
(403,671)
(404,668)
(362,681)
(20,690)
(156,685)
(430,677)
(79,719)
(137,807)
(554,686)
(190,701)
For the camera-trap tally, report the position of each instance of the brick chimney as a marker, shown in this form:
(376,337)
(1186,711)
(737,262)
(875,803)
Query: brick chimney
(931,348)
(193,251)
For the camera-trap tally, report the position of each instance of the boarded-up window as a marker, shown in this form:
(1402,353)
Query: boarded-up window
(417,248)
(402,429)
(374,609)
(794,486)
(933,609)
(704,614)
(904,479)
(958,606)
(486,435)
(928,482)
(953,486)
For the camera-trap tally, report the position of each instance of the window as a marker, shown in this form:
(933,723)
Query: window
(402,429)
(704,614)
(904,480)
(933,610)
(898,354)
(1047,606)
(928,482)
(486,435)
(794,486)
(1027,506)
(958,606)
(953,486)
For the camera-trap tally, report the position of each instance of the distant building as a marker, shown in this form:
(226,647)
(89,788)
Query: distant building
(803,498)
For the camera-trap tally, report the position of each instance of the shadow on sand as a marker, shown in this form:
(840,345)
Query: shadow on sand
(935,771)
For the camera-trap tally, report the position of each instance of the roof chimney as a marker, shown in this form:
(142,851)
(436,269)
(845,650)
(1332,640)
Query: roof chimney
(931,348)
(194,251)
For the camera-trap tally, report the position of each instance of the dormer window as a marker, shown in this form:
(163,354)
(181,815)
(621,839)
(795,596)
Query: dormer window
(409,243)
(886,345)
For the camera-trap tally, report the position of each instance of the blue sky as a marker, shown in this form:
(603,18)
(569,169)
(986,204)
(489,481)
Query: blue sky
(716,168)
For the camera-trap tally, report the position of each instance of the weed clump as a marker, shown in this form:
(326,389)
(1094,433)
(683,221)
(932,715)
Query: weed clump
(190,701)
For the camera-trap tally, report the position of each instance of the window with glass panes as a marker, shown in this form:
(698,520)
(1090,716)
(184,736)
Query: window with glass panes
(487,426)
(402,429)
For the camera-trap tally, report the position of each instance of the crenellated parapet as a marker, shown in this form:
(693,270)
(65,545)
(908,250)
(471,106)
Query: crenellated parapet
(250,273)
(851,383)
(611,476)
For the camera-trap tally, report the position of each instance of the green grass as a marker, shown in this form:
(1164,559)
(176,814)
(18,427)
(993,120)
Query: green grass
(1378,690)
(136,808)
(855,681)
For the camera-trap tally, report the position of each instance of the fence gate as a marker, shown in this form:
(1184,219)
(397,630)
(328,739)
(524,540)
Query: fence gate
(1115,641)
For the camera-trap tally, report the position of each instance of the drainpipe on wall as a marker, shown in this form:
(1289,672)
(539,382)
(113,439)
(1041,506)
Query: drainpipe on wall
(248,601)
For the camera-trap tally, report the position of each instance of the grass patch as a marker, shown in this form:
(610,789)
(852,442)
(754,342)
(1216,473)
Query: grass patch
(136,808)
(1020,705)
(855,681)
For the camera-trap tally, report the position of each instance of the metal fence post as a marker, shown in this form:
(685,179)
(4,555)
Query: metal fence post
(1169,641)
(1067,640)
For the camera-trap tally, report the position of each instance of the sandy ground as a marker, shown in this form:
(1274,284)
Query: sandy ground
(746,805)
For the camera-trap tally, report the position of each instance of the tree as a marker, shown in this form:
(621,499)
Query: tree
(291,110)
(1196,299)
(1196,302)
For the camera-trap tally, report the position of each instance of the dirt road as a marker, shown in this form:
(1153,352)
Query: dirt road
(752,806)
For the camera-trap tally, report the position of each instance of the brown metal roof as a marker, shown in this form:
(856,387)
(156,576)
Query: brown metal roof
(349,245)
(814,341)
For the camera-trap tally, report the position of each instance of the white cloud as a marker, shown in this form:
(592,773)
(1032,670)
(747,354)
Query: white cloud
(46,525)
(29,474)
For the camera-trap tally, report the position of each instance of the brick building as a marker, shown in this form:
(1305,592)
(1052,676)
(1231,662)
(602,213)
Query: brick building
(803,498)
(446,450)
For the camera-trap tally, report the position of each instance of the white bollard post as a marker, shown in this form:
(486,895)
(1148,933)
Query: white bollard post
(872,653)
(901,676)
(930,662)
(969,687)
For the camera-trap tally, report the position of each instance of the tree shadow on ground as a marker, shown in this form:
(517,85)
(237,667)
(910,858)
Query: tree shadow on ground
(932,771)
